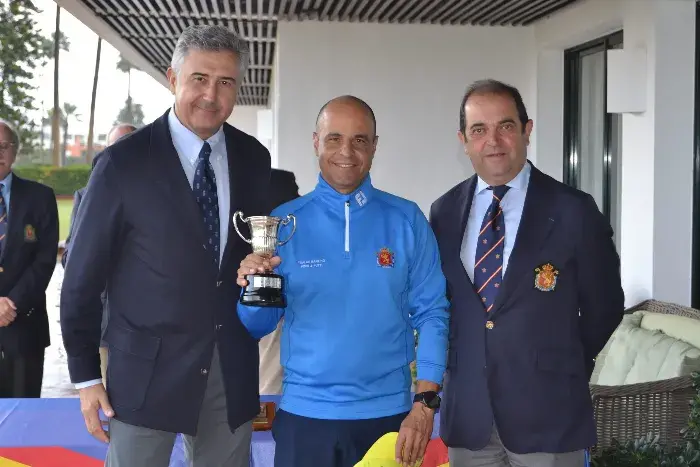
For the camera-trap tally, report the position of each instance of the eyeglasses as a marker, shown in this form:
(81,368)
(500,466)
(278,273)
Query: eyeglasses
(5,146)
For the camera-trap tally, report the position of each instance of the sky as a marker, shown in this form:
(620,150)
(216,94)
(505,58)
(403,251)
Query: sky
(76,72)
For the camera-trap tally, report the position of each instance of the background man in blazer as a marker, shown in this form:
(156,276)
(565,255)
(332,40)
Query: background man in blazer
(283,188)
(534,281)
(155,227)
(28,250)
(117,132)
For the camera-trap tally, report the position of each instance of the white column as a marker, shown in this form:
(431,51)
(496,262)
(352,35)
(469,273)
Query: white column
(657,155)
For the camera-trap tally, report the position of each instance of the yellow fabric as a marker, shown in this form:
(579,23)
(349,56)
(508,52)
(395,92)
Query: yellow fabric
(382,453)
(376,463)
(384,448)
(5,462)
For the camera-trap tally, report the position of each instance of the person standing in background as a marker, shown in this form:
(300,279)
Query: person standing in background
(28,251)
(117,132)
(283,188)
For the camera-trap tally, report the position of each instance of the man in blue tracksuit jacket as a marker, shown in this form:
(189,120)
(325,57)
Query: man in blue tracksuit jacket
(361,273)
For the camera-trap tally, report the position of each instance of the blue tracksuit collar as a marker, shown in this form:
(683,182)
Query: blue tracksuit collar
(358,198)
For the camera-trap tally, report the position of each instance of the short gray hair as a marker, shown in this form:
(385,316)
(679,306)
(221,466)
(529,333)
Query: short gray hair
(14,134)
(210,38)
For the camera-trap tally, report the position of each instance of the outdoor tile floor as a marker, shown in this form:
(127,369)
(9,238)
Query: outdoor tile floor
(56,379)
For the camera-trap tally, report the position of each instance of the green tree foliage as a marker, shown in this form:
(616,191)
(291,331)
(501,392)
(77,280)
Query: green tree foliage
(130,113)
(22,51)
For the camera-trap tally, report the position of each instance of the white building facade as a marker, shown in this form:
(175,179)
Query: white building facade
(610,85)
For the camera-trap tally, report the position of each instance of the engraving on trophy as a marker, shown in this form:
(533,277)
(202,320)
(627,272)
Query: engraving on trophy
(271,282)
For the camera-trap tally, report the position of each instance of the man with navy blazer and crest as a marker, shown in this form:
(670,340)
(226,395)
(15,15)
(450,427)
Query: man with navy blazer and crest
(155,227)
(534,282)
(28,249)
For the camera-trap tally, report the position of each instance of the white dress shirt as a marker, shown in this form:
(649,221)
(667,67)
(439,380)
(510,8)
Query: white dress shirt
(512,206)
(188,145)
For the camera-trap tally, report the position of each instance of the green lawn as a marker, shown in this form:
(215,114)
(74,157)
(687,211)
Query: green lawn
(65,206)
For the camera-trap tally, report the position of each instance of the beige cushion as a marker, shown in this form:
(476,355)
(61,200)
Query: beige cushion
(678,327)
(638,355)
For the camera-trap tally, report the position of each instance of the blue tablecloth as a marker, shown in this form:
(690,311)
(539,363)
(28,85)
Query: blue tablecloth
(58,422)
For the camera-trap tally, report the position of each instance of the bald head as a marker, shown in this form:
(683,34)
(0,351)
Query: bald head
(119,131)
(345,141)
(345,103)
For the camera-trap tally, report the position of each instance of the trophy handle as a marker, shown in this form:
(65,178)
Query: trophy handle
(285,221)
(235,225)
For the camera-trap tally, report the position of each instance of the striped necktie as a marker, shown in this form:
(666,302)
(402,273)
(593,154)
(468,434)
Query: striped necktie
(488,266)
(204,188)
(3,218)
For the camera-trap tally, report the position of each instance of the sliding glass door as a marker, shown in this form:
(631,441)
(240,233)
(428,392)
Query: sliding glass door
(592,140)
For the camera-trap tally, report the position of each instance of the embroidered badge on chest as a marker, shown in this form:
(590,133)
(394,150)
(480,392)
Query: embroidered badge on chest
(546,277)
(385,258)
(29,233)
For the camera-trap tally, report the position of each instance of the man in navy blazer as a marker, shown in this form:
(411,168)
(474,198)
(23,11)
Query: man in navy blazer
(155,227)
(118,131)
(534,282)
(28,248)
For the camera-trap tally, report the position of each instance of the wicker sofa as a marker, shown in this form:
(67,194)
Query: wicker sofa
(660,403)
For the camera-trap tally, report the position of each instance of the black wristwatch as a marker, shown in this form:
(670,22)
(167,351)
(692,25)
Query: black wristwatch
(430,399)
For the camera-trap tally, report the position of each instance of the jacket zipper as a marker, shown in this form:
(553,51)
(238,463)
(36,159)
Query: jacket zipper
(347,227)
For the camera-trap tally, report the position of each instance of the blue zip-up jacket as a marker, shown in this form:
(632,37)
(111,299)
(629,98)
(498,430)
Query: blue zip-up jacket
(361,273)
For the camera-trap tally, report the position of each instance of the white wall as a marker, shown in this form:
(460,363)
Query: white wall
(657,145)
(413,76)
(245,118)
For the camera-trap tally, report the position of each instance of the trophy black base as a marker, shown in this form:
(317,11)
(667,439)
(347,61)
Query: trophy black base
(264,290)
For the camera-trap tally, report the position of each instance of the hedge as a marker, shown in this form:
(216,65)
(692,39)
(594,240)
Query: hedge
(63,180)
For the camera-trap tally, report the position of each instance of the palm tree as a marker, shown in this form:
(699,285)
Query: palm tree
(68,112)
(126,66)
(45,121)
(49,114)
(91,125)
(59,42)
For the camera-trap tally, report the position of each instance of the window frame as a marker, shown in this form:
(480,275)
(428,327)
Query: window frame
(695,258)
(572,137)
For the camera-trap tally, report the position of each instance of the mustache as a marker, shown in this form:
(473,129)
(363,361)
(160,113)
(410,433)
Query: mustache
(207,106)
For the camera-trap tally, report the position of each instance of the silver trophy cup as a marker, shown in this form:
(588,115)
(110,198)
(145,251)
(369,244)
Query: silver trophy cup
(266,289)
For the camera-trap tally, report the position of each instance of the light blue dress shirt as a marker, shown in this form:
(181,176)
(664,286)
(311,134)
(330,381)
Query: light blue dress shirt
(512,205)
(188,145)
(6,187)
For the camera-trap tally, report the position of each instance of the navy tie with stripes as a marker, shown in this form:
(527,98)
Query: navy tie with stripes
(488,265)
(3,218)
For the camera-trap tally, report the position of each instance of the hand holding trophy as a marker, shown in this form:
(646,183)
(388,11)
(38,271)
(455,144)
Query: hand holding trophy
(264,289)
